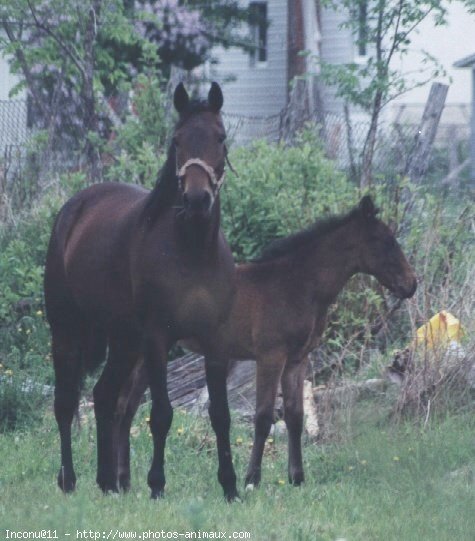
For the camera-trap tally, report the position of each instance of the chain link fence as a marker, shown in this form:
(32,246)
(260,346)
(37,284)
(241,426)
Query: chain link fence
(343,137)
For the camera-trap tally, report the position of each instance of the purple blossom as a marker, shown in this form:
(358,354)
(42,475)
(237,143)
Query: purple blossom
(178,32)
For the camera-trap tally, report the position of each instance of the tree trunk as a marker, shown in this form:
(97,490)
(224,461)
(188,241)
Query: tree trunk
(419,160)
(92,155)
(368,149)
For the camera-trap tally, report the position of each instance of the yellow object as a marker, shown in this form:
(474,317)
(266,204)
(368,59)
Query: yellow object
(441,328)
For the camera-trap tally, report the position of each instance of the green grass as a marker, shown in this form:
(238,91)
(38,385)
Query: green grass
(383,483)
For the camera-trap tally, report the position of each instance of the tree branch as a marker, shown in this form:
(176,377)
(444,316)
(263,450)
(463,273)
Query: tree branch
(68,50)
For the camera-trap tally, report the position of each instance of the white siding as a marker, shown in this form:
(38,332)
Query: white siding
(337,47)
(259,90)
(7,81)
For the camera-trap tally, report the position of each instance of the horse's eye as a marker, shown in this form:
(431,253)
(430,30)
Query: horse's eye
(222,138)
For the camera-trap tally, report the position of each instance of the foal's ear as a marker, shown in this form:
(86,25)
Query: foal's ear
(215,97)
(367,208)
(180,98)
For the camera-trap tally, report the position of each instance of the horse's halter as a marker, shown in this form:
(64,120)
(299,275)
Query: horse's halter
(215,181)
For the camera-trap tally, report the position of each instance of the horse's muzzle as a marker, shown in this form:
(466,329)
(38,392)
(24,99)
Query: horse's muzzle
(197,204)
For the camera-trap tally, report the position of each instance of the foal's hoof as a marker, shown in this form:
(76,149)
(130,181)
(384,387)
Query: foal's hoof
(67,483)
(232,496)
(252,480)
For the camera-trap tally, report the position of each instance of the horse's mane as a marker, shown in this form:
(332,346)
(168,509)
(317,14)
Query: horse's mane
(293,243)
(164,194)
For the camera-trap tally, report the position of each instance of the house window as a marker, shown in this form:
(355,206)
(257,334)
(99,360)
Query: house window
(362,35)
(258,21)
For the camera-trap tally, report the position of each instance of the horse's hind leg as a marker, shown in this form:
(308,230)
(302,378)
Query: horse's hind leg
(131,397)
(269,370)
(123,353)
(67,366)
(292,391)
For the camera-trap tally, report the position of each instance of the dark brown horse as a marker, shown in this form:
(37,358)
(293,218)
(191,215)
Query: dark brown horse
(280,307)
(135,271)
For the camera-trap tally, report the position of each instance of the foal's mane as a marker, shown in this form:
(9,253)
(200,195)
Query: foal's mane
(290,245)
(164,194)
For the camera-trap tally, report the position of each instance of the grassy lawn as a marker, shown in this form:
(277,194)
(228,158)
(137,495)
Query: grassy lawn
(382,483)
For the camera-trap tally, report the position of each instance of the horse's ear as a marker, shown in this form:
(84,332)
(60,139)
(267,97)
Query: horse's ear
(180,98)
(215,97)
(367,208)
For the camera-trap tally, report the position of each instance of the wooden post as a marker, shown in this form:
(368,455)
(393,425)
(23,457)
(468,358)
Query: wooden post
(419,160)
(297,111)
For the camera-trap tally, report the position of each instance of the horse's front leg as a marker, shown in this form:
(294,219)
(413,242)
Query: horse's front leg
(269,370)
(216,373)
(161,416)
(292,391)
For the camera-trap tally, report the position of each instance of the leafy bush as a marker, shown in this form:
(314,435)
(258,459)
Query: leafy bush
(137,149)
(279,190)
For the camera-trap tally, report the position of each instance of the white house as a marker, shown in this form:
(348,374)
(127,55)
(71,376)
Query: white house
(13,112)
(261,86)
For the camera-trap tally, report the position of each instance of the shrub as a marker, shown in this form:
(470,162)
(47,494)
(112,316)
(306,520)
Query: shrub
(279,190)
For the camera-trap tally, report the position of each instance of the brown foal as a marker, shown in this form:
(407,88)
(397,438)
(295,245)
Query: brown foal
(279,313)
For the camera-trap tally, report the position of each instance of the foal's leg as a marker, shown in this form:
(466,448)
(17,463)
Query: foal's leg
(131,397)
(269,370)
(292,390)
(216,373)
(161,416)
(67,366)
(123,353)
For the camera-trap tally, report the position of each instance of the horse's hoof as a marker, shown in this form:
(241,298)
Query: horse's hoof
(297,479)
(124,483)
(107,487)
(157,494)
(66,483)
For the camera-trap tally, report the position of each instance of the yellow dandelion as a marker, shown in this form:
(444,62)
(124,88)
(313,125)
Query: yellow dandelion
(1,366)
(180,430)
(281,482)
(396,458)
(9,372)
(270,440)
(147,419)
(364,462)
(28,331)
(39,313)
(239,441)
(351,468)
